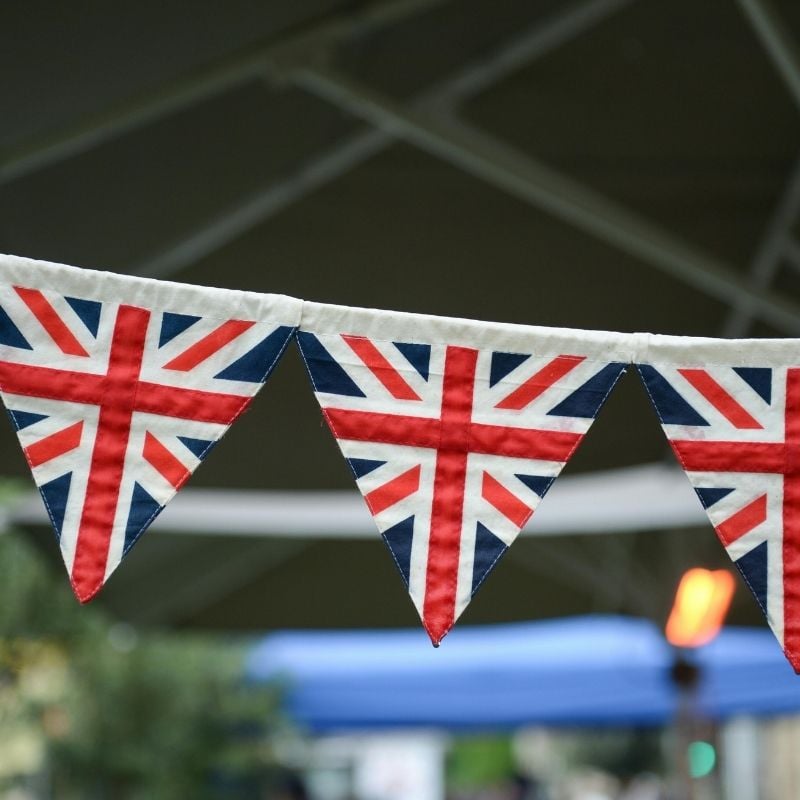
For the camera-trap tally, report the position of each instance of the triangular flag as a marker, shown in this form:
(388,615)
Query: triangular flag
(454,431)
(118,387)
(731,412)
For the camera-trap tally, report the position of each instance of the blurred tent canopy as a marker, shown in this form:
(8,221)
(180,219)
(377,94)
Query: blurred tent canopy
(584,671)
(611,164)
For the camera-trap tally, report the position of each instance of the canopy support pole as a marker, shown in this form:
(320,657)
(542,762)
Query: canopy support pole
(779,45)
(215,79)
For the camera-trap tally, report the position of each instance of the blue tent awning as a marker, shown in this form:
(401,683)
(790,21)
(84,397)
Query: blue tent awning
(582,671)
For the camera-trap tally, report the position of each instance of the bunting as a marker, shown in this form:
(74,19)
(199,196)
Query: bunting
(731,413)
(454,431)
(118,388)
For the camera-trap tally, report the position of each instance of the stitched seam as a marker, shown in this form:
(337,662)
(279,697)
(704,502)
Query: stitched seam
(705,363)
(491,566)
(354,362)
(42,395)
(308,368)
(48,509)
(279,354)
(766,613)
(594,418)
(338,444)
(147,524)
(397,563)
(483,346)
(572,450)
(83,597)
(246,401)
(678,456)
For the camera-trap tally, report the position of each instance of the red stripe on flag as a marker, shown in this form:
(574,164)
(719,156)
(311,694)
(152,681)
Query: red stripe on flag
(55,445)
(730,456)
(508,504)
(791,522)
(54,384)
(208,345)
(48,318)
(743,521)
(380,367)
(370,426)
(540,382)
(523,442)
(108,456)
(194,404)
(164,462)
(151,398)
(724,402)
(393,491)
(447,512)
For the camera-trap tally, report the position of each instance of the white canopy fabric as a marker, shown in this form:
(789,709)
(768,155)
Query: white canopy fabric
(647,497)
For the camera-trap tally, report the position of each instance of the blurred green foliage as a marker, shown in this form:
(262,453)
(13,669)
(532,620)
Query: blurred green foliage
(476,761)
(96,709)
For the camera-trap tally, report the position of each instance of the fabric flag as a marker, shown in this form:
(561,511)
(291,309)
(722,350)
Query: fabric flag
(454,431)
(731,412)
(119,387)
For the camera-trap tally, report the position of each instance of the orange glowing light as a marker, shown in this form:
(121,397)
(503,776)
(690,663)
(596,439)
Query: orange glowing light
(701,603)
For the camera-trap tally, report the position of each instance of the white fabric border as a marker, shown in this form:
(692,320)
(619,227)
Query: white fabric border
(150,293)
(323,318)
(684,351)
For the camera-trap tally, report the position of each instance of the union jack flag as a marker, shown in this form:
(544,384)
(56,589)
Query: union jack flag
(452,447)
(116,405)
(736,431)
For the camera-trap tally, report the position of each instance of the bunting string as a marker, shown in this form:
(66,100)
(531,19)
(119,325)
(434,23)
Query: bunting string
(119,387)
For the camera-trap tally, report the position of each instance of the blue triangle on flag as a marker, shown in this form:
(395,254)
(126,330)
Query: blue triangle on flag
(753,566)
(55,494)
(503,364)
(24,419)
(586,400)
(488,549)
(326,374)
(399,538)
(537,483)
(363,466)
(10,334)
(173,325)
(418,355)
(256,364)
(88,311)
(144,510)
(710,496)
(199,447)
(672,409)
(759,379)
